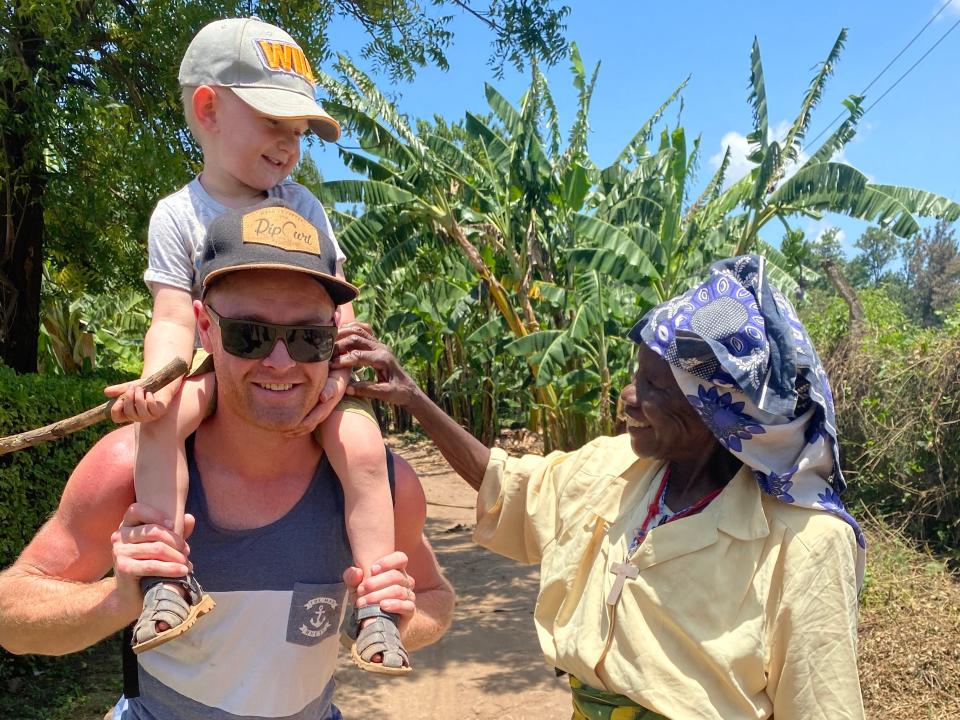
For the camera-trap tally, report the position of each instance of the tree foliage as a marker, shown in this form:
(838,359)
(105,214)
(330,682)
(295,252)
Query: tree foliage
(92,132)
(931,280)
(878,248)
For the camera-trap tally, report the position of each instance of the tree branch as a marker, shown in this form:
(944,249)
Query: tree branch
(855,307)
(480,16)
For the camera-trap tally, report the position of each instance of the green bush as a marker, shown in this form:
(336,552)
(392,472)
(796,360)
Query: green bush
(897,396)
(31,480)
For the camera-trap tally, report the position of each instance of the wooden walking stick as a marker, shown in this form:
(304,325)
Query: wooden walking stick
(164,376)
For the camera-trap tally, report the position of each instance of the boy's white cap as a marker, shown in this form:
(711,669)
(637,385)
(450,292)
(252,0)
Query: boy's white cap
(263,65)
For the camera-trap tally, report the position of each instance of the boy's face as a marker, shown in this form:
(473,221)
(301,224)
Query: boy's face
(255,150)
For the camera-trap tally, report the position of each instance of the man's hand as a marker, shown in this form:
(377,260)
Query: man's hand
(144,545)
(388,585)
(136,405)
(357,347)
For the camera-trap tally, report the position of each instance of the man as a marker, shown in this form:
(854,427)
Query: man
(265,513)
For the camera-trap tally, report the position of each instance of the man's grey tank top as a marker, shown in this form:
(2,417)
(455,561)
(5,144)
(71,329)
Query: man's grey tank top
(269,648)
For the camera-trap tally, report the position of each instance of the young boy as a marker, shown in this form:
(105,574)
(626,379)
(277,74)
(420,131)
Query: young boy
(248,96)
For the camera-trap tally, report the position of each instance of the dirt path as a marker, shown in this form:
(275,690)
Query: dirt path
(489,664)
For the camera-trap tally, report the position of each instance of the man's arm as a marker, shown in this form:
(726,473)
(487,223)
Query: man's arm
(54,599)
(434,594)
(356,347)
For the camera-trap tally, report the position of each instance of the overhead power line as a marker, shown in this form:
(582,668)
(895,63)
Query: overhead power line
(910,69)
(889,64)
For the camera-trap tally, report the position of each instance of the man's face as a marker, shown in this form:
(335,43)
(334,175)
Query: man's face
(274,392)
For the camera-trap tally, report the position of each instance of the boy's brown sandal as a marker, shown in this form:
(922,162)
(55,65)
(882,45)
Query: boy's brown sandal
(379,637)
(165,604)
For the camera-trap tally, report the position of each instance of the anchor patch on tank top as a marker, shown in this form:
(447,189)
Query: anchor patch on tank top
(322,620)
(315,612)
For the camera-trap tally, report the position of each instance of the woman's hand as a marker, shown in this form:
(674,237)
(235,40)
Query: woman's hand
(358,347)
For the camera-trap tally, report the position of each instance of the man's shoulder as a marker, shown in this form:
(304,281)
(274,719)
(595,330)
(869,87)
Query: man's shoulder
(107,468)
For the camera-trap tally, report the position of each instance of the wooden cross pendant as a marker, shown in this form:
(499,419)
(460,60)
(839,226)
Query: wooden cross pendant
(622,571)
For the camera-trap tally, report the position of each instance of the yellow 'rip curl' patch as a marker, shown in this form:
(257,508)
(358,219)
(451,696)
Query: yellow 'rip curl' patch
(281,228)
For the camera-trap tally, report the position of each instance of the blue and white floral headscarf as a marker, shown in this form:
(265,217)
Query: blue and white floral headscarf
(745,362)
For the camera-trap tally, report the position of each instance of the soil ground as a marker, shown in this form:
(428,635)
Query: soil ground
(489,664)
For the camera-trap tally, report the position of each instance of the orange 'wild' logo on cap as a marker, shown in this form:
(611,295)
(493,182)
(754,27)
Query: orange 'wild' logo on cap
(280,56)
(282,228)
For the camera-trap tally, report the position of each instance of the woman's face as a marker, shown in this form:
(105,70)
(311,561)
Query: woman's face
(660,420)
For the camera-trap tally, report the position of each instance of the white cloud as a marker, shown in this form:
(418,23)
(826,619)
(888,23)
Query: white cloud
(815,230)
(952,9)
(740,149)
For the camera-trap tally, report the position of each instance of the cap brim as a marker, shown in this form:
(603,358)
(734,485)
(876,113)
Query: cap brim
(290,105)
(341,292)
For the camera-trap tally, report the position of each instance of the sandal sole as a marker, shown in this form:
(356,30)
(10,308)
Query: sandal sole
(205,605)
(373,667)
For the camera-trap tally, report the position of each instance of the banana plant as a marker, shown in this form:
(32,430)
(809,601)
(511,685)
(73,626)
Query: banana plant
(645,234)
(818,183)
(504,197)
(486,190)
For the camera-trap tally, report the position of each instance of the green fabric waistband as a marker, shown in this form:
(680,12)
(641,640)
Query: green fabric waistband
(592,704)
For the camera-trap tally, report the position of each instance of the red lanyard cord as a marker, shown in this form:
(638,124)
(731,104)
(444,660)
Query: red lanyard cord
(657,503)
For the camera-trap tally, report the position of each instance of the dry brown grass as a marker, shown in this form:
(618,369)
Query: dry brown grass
(909,631)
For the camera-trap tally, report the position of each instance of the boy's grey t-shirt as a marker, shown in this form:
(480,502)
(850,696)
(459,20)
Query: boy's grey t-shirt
(179,225)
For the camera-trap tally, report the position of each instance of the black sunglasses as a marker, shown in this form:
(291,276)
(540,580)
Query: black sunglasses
(255,340)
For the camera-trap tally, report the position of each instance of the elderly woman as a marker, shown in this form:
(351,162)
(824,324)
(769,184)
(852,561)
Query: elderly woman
(702,565)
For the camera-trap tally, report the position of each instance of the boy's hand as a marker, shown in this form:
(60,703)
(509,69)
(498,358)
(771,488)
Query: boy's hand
(331,394)
(136,405)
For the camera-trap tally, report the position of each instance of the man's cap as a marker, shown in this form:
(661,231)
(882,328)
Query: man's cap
(263,66)
(271,236)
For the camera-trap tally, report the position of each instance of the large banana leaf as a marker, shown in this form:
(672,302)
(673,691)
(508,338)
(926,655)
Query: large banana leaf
(921,202)
(549,350)
(816,185)
(843,134)
(638,144)
(504,111)
(758,101)
(613,265)
(368,192)
(791,144)
(497,148)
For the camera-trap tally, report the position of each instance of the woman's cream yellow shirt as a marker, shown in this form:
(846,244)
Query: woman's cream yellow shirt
(745,610)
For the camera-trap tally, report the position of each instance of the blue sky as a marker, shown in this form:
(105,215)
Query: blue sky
(646,49)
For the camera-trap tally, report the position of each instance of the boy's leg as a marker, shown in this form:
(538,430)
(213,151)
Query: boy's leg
(161,480)
(355,448)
